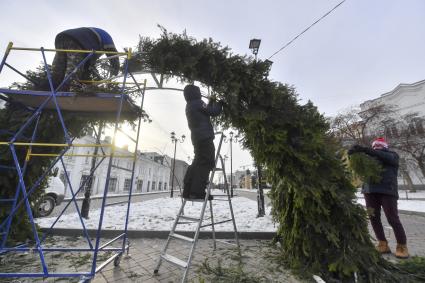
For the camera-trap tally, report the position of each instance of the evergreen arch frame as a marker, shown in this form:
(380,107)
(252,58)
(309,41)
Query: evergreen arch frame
(321,228)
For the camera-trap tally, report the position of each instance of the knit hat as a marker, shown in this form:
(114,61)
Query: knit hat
(380,142)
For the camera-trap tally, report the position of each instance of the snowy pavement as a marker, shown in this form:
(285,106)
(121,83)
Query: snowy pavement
(159,214)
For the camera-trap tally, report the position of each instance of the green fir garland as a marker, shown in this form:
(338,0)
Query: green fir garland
(321,228)
(367,168)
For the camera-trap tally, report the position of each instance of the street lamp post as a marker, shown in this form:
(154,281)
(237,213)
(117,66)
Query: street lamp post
(225,157)
(85,207)
(254,45)
(231,165)
(174,139)
(260,193)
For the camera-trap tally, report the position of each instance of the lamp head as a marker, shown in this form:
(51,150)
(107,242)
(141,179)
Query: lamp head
(254,45)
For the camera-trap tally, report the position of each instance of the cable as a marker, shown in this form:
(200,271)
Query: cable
(286,45)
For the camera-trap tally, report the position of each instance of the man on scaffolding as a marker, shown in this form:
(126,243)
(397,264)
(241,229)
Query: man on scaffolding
(202,134)
(84,38)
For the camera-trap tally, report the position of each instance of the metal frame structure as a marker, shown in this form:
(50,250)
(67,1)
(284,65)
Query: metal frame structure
(23,192)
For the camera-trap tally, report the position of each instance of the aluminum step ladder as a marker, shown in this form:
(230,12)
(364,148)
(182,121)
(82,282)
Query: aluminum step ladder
(183,219)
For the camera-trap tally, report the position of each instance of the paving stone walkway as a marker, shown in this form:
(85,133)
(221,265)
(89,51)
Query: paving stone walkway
(254,263)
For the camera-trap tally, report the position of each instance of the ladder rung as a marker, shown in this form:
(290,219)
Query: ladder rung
(189,218)
(196,200)
(174,260)
(216,223)
(181,237)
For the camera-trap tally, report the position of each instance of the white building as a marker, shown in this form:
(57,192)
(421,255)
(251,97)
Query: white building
(404,99)
(150,174)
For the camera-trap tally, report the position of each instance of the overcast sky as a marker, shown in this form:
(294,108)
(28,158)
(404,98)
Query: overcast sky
(361,50)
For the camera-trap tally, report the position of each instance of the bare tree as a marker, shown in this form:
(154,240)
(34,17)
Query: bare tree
(405,132)
(409,137)
(353,126)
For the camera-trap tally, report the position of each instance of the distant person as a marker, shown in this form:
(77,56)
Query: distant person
(202,134)
(384,194)
(85,38)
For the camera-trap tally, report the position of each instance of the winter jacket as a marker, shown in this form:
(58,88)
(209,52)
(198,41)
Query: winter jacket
(91,39)
(198,114)
(388,184)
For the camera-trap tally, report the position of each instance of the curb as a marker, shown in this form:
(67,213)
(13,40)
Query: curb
(121,195)
(408,212)
(162,234)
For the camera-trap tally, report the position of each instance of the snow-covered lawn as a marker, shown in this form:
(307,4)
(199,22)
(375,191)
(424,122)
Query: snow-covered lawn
(159,214)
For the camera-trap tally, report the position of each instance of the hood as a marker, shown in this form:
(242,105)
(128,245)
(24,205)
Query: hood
(191,92)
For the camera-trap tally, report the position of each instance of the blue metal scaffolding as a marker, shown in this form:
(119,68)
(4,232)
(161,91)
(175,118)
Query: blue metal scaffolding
(118,105)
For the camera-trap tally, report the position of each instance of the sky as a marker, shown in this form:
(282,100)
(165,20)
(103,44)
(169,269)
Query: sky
(361,50)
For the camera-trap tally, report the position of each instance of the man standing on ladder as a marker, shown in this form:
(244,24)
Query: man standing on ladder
(84,38)
(202,134)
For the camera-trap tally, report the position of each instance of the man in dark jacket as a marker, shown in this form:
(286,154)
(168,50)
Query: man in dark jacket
(202,134)
(80,39)
(384,194)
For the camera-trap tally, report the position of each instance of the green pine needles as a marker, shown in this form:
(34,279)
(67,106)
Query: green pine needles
(367,168)
(321,228)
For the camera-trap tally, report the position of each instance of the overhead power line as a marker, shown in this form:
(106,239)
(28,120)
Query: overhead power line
(295,38)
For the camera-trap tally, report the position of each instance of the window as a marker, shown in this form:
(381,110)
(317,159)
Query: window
(159,186)
(165,186)
(149,186)
(87,158)
(86,183)
(139,185)
(420,126)
(112,184)
(153,186)
(412,128)
(394,132)
(69,157)
(127,185)
(388,134)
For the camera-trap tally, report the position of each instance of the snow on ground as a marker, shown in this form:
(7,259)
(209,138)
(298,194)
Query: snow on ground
(159,214)
(409,205)
(403,194)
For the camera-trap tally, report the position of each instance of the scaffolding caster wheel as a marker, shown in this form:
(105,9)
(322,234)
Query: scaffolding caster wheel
(117,260)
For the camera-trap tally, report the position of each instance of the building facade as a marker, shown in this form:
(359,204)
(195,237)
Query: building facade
(151,173)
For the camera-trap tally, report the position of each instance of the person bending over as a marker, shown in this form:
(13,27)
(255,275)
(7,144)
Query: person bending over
(84,38)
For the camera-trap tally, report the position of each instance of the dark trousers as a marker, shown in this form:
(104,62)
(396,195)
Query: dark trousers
(65,62)
(196,178)
(374,202)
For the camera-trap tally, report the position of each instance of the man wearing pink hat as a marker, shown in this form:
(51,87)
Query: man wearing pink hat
(384,194)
